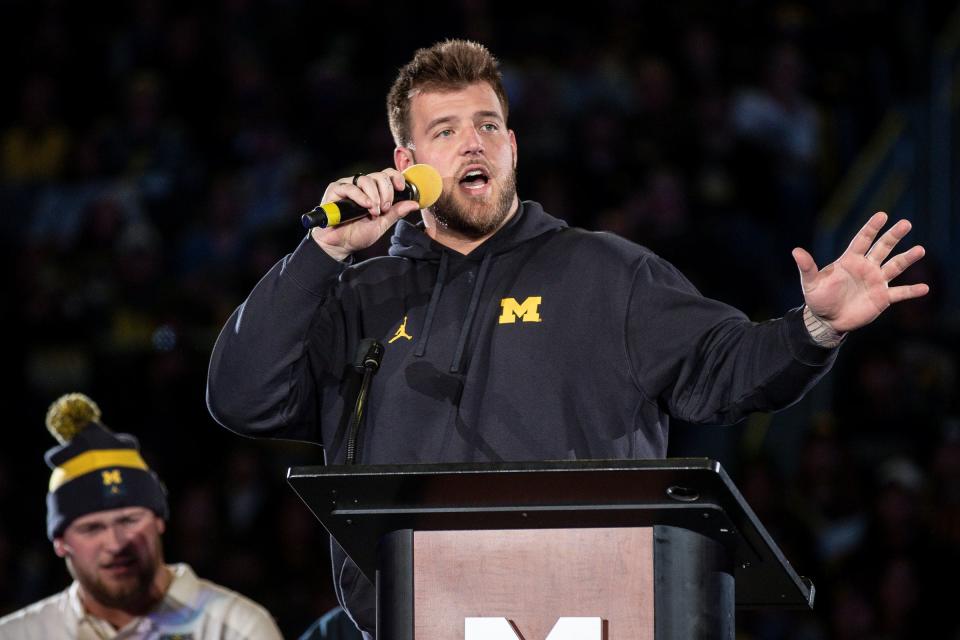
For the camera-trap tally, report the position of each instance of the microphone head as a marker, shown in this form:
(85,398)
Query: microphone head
(428,182)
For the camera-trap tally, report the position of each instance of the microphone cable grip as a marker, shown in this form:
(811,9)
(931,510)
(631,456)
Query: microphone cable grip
(367,362)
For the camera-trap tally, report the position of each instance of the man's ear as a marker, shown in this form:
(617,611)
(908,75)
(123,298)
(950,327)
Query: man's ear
(60,547)
(513,145)
(403,158)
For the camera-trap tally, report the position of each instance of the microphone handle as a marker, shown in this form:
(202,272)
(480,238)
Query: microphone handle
(332,214)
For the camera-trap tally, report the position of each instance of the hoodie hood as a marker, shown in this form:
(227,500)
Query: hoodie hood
(411,241)
(530,221)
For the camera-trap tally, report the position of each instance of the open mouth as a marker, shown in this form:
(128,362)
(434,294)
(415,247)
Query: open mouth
(475,179)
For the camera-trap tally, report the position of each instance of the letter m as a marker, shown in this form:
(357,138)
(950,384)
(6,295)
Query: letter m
(111,477)
(529,310)
(502,629)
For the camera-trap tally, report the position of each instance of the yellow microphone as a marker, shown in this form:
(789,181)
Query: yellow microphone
(423,186)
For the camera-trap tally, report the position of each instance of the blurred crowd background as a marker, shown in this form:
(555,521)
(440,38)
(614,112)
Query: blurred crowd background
(155,158)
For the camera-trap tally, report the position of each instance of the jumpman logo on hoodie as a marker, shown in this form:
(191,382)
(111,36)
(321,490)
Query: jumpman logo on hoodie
(401,332)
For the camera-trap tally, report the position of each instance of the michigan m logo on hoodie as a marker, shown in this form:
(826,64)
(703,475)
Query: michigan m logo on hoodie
(529,310)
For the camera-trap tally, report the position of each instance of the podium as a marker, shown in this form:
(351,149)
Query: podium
(655,549)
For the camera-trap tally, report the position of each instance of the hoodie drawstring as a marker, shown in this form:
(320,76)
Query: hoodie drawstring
(471,313)
(432,307)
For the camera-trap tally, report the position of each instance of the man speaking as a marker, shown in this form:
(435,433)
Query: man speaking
(508,335)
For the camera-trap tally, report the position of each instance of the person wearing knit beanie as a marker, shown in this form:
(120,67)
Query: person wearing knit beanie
(106,514)
(94,469)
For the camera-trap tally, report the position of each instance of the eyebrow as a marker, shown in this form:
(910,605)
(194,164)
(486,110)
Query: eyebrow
(109,521)
(448,119)
(488,114)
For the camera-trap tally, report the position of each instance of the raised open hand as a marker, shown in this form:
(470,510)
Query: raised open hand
(852,291)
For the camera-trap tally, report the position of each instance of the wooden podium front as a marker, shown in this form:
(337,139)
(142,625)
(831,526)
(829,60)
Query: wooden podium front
(658,549)
(532,577)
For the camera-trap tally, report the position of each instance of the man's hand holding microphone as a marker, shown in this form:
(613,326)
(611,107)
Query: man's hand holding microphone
(371,204)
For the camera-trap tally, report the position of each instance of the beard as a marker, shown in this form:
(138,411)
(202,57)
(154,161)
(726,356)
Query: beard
(129,593)
(474,220)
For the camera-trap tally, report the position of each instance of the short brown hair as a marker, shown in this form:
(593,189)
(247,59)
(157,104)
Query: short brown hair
(446,66)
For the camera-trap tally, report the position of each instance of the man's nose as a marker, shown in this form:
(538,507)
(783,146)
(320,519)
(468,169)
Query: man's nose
(116,539)
(472,142)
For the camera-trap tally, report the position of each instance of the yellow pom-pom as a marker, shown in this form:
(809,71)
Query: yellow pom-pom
(70,415)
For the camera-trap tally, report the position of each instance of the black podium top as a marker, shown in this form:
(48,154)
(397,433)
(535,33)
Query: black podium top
(359,504)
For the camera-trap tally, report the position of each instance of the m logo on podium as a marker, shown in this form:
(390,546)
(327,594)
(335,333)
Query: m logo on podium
(503,629)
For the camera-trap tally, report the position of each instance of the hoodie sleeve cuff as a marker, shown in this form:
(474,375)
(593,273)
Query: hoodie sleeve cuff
(312,268)
(801,343)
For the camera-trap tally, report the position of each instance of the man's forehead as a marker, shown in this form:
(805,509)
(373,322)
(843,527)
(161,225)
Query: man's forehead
(427,104)
(109,515)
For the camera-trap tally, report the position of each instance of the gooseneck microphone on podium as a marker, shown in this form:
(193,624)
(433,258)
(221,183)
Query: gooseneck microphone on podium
(367,361)
(423,186)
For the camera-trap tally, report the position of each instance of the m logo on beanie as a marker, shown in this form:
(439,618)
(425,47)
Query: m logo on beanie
(111,477)
(112,481)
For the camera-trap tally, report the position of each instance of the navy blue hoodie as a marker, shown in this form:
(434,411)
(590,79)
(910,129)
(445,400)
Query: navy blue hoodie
(544,343)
